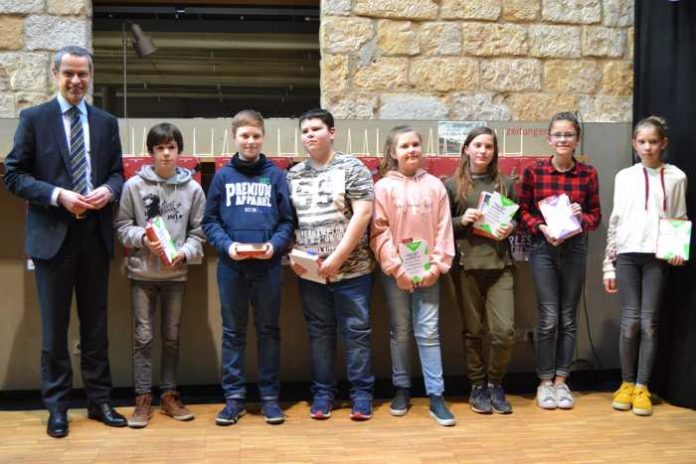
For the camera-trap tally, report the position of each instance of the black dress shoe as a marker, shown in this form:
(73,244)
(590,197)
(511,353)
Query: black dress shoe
(57,424)
(104,412)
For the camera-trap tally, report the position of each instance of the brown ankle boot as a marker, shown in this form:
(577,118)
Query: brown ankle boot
(171,405)
(142,412)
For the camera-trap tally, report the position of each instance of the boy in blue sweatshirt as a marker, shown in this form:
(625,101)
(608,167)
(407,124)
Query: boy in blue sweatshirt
(249,204)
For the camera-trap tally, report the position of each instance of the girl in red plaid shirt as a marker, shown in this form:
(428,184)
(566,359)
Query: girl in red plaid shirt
(558,263)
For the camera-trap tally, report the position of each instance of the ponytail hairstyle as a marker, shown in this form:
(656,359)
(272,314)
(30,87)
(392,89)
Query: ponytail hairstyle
(656,122)
(463,177)
(565,116)
(389,161)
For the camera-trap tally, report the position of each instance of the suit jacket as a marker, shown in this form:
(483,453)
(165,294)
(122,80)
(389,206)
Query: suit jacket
(40,161)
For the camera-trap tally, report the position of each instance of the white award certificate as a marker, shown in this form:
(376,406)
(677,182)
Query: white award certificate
(559,217)
(498,211)
(673,239)
(415,258)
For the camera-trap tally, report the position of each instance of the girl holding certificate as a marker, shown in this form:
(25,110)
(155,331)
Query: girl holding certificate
(557,259)
(482,274)
(643,194)
(411,237)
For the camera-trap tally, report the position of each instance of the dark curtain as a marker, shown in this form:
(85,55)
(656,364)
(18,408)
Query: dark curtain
(665,85)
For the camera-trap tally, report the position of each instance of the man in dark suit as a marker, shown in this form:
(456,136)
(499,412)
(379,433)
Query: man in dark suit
(66,162)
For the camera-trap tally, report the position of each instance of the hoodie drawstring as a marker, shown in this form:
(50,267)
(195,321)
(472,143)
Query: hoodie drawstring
(647,188)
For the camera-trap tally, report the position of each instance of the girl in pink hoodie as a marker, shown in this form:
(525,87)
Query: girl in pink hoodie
(412,239)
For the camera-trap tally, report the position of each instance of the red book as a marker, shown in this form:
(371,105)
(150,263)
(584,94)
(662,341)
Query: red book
(251,250)
(157,232)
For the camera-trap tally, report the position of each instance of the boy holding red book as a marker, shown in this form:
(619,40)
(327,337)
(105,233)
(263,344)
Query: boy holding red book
(248,220)
(161,199)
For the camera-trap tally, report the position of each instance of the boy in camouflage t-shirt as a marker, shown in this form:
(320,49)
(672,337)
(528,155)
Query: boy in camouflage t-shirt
(332,197)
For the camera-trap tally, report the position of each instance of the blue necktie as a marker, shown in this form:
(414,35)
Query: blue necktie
(78,158)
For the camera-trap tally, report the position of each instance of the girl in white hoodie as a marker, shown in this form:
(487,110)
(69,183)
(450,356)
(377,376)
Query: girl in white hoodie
(643,194)
(411,207)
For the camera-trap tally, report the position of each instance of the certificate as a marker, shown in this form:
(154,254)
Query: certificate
(498,211)
(415,258)
(673,239)
(559,217)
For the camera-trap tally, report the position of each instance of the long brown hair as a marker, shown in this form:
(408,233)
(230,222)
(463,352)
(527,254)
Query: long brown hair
(463,177)
(389,162)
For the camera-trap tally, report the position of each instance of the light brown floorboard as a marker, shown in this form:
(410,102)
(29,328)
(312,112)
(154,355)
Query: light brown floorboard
(592,432)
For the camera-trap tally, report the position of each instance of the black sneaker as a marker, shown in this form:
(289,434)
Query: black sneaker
(400,404)
(439,411)
(480,400)
(498,401)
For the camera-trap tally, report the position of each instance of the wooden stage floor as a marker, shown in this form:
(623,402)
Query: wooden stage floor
(592,432)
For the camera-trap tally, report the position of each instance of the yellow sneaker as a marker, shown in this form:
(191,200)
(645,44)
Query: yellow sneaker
(623,397)
(642,406)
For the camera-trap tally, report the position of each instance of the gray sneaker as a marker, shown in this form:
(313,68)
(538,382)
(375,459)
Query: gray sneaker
(480,399)
(400,403)
(440,412)
(563,396)
(546,397)
(498,401)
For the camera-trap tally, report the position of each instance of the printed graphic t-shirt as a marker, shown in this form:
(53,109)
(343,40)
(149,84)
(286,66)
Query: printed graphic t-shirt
(322,199)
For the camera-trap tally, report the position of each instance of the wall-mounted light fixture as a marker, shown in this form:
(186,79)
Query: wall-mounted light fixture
(143,46)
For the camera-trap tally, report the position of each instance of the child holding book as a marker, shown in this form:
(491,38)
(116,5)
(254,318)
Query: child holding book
(411,207)
(249,222)
(643,194)
(332,195)
(483,273)
(558,262)
(162,192)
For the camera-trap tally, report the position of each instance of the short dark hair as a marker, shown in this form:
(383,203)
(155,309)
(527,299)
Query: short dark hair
(565,116)
(75,51)
(318,113)
(163,133)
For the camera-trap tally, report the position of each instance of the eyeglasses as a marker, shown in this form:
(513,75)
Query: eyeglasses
(563,135)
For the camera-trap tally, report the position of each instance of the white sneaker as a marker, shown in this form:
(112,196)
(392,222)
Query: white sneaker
(545,397)
(564,398)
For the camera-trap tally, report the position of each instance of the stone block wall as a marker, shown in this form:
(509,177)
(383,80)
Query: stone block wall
(477,59)
(30,32)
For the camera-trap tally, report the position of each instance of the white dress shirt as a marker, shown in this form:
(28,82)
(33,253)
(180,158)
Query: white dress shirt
(64,108)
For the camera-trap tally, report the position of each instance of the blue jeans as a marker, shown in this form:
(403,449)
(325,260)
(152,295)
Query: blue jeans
(240,286)
(144,297)
(343,305)
(559,274)
(640,278)
(416,313)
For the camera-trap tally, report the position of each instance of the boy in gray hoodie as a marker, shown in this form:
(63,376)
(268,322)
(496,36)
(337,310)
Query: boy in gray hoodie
(169,191)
